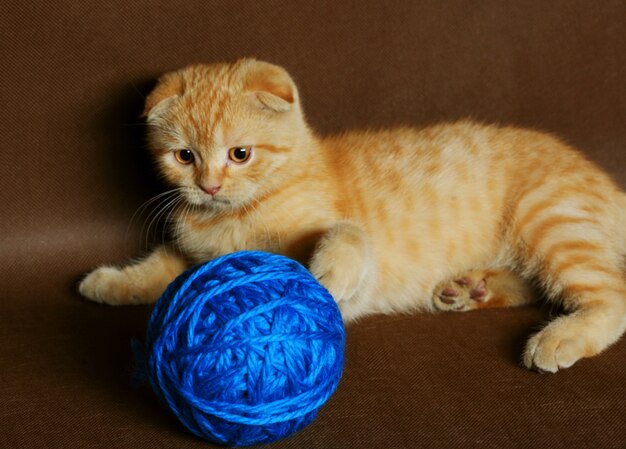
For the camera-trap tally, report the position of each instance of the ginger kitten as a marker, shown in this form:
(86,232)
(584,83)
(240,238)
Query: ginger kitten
(388,221)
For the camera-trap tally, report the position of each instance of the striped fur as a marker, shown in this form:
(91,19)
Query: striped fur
(386,218)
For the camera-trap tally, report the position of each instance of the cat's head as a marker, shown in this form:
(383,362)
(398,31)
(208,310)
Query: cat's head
(226,134)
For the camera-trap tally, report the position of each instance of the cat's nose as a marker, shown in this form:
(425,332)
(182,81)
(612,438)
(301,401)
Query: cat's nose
(211,190)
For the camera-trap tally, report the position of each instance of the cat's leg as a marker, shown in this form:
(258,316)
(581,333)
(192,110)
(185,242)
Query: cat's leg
(141,282)
(570,244)
(483,288)
(593,291)
(342,261)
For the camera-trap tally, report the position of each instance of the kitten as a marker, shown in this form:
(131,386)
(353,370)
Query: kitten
(451,217)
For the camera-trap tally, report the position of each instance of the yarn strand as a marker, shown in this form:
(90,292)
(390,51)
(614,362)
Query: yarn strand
(245,349)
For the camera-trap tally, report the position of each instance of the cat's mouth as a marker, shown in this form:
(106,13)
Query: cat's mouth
(215,202)
(198,197)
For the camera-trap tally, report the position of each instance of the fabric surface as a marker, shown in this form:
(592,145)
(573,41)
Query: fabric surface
(73,171)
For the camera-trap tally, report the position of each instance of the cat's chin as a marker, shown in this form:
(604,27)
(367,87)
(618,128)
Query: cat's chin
(214,204)
(220,204)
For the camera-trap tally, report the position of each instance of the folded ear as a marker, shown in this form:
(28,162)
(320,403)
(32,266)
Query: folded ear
(169,85)
(271,86)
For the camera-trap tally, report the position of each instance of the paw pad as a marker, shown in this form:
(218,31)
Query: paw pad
(465,293)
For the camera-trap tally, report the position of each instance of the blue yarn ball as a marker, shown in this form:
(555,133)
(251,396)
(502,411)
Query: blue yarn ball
(246,348)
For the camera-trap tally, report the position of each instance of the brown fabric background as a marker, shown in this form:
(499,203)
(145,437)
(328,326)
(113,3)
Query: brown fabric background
(73,171)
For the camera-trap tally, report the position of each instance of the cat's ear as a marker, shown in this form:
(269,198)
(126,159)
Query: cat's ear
(270,86)
(169,85)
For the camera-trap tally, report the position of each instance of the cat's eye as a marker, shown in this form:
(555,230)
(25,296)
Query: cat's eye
(239,154)
(184,157)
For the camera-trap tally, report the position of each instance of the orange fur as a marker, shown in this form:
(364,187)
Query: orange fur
(386,218)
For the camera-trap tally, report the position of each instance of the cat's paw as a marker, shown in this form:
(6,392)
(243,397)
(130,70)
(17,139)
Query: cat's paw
(559,345)
(338,273)
(466,292)
(109,285)
(340,262)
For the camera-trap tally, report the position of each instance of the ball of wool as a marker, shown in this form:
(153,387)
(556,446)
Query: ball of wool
(246,348)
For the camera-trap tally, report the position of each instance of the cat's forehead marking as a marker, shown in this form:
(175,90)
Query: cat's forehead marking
(207,101)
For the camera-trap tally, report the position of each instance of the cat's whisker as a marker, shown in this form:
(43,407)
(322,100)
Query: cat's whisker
(181,216)
(163,206)
(165,219)
(182,219)
(164,199)
(169,219)
(158,218)
(146,203)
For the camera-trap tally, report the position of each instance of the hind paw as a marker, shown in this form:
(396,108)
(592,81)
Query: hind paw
(466,292)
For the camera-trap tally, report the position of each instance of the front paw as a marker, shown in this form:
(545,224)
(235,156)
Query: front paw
(341,262)
(341,277)
(109,285)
